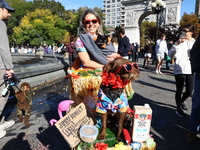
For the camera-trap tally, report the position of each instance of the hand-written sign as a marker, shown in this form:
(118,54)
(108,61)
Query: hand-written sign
(70,124)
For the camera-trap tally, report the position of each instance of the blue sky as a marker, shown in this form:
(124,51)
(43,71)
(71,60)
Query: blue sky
(187,5)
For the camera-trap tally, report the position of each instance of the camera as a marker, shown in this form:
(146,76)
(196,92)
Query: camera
(15,80)
(9,82)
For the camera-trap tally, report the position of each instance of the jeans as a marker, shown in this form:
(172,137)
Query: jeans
(3,100)
(167,64)
(188,80)
(195,115)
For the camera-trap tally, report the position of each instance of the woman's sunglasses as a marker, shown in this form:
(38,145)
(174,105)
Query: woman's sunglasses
(128,67)
(88,21)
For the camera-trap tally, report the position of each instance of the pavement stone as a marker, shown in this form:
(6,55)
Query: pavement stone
(168,130)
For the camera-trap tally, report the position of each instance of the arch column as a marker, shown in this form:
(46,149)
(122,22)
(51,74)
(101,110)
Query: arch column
(133,33)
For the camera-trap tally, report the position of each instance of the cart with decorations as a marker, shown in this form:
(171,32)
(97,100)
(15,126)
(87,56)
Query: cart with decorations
(85,85)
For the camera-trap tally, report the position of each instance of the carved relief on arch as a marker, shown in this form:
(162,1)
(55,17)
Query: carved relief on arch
(171,15)
(129,18)
(132,18)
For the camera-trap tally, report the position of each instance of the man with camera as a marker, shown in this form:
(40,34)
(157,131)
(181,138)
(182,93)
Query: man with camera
(6,65)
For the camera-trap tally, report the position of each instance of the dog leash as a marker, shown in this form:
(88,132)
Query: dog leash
(13,84)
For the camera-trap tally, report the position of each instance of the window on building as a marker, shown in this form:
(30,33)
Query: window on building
(108,2)
(108,10)
(118,9)
(108,22)
(113,10)
(118,5)
(108,6)
(113,22)
(118,21)
(108,15)
(113,1)
(113,5)
(118,14)
(113,18)
(118,17)
(113,14)
(118,0)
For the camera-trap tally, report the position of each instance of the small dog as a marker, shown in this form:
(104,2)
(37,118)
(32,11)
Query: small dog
(112,99)
(24,102)
(102,40)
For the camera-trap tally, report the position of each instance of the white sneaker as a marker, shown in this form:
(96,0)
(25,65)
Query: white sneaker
(160,72)
(7,124)
(157,72)
(2,133)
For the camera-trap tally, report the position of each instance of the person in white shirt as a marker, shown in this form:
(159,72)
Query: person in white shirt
(161,50)
(182,68)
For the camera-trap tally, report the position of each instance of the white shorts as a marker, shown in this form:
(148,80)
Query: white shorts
(147,55)
(161,56)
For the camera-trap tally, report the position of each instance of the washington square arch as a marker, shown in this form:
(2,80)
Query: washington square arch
(137,10)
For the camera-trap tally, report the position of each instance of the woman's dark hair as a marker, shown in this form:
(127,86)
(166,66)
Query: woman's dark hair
(72,38)
(189,27)
(82,27)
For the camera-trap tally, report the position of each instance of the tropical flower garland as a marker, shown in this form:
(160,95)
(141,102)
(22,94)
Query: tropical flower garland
(111,79)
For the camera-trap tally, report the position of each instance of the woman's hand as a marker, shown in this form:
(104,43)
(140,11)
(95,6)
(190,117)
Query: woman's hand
(181,40)
(113,56)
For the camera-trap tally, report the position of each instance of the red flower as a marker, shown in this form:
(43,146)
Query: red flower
(101,146)
(112,79)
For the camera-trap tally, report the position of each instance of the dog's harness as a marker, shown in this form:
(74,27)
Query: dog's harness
(104,104)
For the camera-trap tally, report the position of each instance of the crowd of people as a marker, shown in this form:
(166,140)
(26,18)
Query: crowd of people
(89,55)
(48,49)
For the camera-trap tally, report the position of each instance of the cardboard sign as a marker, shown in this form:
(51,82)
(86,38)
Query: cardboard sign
(70,124)
(142,123)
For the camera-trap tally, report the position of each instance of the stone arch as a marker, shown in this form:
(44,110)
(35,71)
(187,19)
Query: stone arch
(143,16)
(137,10)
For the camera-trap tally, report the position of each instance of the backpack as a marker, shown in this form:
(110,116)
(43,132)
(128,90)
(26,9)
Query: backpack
(63,49)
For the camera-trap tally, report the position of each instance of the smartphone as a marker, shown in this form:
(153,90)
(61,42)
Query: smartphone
(182,34)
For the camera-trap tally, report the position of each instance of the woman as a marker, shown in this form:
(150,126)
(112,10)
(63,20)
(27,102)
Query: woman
(90,55)
(70,48)
(182,68)
(115,43)
(147,53)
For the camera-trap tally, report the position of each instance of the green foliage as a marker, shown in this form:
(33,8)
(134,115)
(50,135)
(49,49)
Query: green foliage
(56,7)
(25,28)
(147,32)
(190,19)
(40,27)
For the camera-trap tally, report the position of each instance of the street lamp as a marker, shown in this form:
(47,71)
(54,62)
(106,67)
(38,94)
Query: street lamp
(157,7)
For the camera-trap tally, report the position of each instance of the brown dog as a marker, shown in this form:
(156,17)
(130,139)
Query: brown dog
(24,102)
(116,75)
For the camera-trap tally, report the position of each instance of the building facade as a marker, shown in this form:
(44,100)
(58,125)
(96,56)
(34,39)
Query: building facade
(114,13)
(130,14)
(197,8)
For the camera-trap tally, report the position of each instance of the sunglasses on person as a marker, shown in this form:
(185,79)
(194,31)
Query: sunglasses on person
(88,21)
(128,67)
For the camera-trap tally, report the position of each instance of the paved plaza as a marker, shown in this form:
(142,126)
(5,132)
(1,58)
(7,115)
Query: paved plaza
(168,130)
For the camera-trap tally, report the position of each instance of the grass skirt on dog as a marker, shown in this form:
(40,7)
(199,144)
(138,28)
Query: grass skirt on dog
(85,84)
